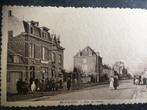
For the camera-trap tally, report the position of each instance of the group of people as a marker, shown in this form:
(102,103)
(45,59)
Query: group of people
(114,81)
(139,80)
(23,87)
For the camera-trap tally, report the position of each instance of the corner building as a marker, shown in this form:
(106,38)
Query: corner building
(33,53)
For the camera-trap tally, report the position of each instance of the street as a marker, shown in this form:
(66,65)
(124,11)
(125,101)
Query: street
(126,90)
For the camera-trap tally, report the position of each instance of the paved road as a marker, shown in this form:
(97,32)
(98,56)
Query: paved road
(126,90)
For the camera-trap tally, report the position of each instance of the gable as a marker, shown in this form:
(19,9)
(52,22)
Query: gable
(86,52)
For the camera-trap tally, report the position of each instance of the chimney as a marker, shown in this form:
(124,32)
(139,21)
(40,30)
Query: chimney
(10,13)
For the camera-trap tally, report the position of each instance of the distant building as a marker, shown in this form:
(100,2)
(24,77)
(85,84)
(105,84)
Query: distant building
(120,68)
(107,73)
(33,53)
(89,63)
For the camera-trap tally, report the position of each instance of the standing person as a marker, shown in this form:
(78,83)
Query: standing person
(139,79)
(68,84)
(21,86)
(41,85)
(115,83)
(26,86)
(111,82)
(18,86)
(48,85)
(60,83)
(53,85)
(134,79)
(64,85)
(33,86)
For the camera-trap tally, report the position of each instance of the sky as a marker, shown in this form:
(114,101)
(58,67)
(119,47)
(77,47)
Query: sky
(118,34)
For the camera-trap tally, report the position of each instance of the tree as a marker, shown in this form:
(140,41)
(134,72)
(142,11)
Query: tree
(118,67)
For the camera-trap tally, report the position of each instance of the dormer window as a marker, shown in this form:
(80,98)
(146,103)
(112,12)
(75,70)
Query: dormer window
(49,36)
(31,29)
(44,35)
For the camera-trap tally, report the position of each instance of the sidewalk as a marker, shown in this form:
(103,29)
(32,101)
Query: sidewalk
(15,97)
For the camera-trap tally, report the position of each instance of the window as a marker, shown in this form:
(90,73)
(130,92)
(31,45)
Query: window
(31,50)
(60,59)
(31,30)
(85,68)
(37,51)
(43,53)
(16,59)
(10,58)
(44,34)
(53,57)
(49,36)
(49,55)
(91,53)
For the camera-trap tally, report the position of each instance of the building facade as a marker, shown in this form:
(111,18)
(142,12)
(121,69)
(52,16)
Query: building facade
(33,53)
(89,63)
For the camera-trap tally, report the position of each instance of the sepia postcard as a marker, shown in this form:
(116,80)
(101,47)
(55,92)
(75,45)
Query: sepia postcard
(73,56)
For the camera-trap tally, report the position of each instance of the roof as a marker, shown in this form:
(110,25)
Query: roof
(84,49)
(45,28)
(58,46)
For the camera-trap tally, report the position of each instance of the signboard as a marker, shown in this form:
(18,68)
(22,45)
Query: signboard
(45,62)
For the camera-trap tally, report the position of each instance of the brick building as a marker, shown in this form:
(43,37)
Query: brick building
(33,53)
(89,63)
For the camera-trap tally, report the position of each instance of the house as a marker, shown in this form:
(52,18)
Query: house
(33,53)
(89,63)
